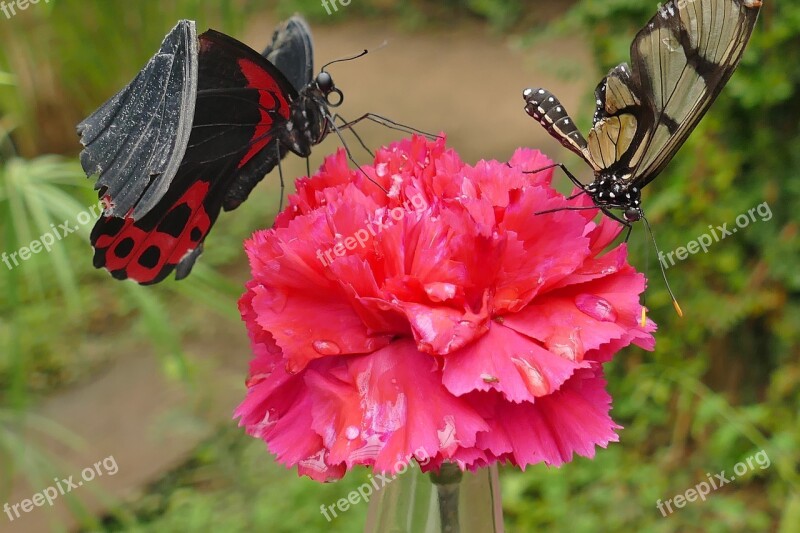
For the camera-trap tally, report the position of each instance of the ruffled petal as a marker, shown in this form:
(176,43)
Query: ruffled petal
(388,407)
(510,363)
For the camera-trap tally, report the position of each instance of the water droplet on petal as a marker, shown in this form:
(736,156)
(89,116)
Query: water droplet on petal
(568,346)
(323,347)
(255,379)
(596,307)
(351,433)
(536,382)
(605,271)
(375,343)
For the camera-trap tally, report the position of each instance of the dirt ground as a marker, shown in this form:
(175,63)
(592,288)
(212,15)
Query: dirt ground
(462,80)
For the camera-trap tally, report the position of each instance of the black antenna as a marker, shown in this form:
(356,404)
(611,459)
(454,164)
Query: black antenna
(365,52)
(663,272)
(643,321)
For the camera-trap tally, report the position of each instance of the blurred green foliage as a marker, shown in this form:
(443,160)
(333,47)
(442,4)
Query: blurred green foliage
(723,383)
(229,485)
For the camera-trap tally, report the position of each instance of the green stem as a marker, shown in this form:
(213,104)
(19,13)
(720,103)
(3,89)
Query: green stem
(448,481)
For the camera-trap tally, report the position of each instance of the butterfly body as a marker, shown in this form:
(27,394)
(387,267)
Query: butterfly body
(611,191)
(308,122)
(681,60)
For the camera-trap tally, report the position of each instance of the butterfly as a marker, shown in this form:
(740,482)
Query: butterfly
(681,60)
(195,131)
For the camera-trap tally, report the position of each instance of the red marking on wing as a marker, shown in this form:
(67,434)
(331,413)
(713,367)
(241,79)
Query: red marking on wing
(171,249)
(271,97)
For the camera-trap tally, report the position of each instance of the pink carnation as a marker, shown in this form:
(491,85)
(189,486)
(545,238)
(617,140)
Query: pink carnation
(444,321)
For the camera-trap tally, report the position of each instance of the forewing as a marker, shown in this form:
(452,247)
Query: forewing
(681,61)
(137,139)
(292,51)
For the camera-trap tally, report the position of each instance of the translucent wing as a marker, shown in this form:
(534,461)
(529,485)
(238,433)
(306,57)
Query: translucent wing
(681,61)
(619,122)
(136,140)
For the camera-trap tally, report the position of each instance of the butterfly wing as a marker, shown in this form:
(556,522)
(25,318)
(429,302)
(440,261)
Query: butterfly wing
(241,101)
(136,140)
(681,61)
(291,51)
(620,122)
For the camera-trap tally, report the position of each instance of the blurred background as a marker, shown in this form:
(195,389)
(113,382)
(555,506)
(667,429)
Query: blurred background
(92,368)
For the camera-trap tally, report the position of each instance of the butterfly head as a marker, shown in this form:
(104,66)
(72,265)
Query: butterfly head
(633,214)
(324,83)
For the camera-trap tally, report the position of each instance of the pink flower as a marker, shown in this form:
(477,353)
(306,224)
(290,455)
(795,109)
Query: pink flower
(445,321)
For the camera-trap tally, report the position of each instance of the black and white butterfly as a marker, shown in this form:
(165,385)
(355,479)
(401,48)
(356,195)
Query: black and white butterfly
(681,61)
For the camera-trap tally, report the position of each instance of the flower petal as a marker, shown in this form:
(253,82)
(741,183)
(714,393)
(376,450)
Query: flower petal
(510,363)
(390,407)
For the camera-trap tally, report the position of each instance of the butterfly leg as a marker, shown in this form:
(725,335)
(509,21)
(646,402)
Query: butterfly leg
(280,174)
(353,131)
(563,167)
(557,209)
(391,124)
(576,194)
(338,132)
(610,214)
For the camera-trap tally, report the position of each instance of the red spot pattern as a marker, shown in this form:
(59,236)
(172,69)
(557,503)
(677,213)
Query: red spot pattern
(271,97)
(172,249)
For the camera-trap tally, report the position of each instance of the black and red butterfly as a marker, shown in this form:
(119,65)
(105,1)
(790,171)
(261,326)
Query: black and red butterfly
(203,122)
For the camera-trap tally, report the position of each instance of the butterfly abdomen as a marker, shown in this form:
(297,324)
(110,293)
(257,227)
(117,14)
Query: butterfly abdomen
(542,105)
